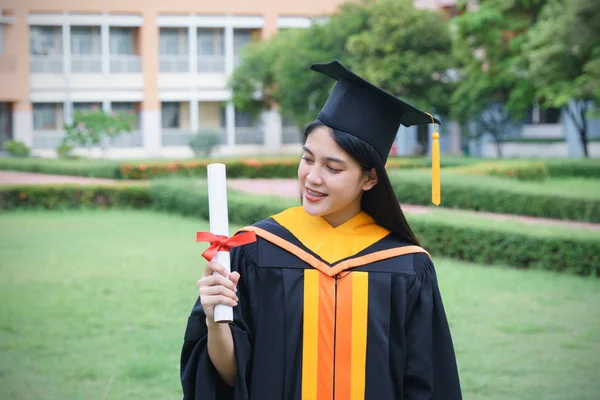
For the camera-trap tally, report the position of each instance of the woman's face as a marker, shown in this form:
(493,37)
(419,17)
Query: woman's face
(331,182)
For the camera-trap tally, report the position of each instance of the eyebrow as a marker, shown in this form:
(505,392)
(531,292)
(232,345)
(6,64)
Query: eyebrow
(333,159)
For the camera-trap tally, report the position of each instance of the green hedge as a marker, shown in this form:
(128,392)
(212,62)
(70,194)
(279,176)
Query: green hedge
(89,168)
(573,168)
(282,167)
(521,170)
(286,167)
(66,196)
(495,195)
(517,249)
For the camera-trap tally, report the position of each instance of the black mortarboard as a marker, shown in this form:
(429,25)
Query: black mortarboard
(362,109)
(358,107)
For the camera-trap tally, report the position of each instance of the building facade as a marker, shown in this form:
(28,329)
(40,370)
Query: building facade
(167,62)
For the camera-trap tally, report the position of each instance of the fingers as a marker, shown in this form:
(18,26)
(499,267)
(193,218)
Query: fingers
(235,278)
(212,267)
(214,280)
(218,295)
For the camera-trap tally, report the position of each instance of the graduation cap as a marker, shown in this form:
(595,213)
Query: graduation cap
(358,107)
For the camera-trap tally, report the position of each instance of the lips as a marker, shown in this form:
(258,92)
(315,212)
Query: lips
(313,195)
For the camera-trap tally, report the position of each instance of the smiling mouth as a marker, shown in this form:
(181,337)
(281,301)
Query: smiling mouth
(314,193)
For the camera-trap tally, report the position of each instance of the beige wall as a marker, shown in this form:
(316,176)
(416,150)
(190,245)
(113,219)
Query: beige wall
(209,115)
(184,115)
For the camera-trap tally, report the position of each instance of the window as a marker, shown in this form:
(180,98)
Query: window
(121,41)
(126,107)
(173,41)
(211,42)
(45,40)
(170,114)
(241,38)
(86,106)
(45,116)
(85,40)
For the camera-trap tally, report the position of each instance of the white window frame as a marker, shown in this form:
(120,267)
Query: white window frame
(121,41)
(170,38)
(86,41)
(44,116)
(38,37)
(170,111)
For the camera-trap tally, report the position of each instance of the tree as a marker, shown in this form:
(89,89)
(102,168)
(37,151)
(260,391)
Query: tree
(274,73)
(95,127)
(493,88)
(390,43)
(406,52)
(563,51)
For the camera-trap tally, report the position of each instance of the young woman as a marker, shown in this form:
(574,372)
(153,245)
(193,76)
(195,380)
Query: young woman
(335,299)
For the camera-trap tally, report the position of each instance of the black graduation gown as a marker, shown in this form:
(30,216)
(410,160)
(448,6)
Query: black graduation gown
(369,326)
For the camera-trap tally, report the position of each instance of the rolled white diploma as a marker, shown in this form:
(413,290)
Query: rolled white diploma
(219,225)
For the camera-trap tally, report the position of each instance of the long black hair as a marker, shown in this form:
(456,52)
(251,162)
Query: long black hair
(380,202)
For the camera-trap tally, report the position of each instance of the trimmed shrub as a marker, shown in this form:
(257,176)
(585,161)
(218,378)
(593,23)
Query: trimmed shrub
(520,250)
(573,168)
(523,170)
(141,170)
(75,167)
(16,148)
(576,256)
(51,197)
(494,195)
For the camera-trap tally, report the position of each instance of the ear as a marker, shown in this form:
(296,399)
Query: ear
(371,180)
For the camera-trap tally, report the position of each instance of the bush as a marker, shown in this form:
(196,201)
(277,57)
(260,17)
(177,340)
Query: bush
(89,168)
(245,168)
(521,170)
(52,197)
(491,245)
(204,143)
(577,256)
(494,195)
(17,149)
(573,168)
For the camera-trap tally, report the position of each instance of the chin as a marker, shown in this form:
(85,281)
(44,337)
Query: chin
(316,210)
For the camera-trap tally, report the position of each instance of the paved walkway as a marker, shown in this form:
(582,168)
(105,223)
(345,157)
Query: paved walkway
(278,187)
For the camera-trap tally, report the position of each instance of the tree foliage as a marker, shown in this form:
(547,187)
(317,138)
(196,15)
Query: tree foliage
(390,43)
(95,128)
(563,51)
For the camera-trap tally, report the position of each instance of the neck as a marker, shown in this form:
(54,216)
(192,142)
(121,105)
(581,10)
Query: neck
(339,217)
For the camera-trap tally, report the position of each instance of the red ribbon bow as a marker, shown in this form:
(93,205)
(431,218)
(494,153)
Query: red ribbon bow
(223,243)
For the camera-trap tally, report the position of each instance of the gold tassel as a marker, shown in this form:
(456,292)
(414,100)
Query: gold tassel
(435,170)
(435,165)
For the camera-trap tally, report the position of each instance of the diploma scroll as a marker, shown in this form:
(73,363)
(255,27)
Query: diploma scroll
(219,225)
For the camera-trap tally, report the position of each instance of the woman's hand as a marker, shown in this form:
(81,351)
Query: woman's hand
(217,289)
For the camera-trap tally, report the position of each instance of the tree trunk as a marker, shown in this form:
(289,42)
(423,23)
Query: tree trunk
(497,139)
(576,115)
(583,130)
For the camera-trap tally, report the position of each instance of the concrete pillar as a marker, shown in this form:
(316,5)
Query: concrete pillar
(193,47)
(23,123)
(105,46)
(229,62)
(455,138)
(66,40)
(230,125)
(273,127)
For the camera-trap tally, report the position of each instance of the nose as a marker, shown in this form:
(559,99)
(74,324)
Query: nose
(314,177)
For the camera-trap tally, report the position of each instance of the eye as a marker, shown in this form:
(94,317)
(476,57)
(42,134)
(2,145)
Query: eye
(333,169)
(305,158)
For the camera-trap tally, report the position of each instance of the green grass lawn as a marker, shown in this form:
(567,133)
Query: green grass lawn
(94,306)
